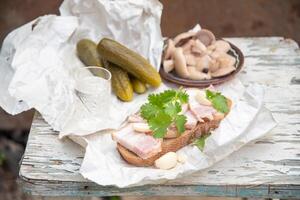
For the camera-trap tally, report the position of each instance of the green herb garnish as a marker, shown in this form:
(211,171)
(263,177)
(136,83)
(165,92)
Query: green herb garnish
(163,109)
(219,102)
(200,142)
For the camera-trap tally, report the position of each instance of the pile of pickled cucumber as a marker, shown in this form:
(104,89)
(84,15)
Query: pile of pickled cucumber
(130,71)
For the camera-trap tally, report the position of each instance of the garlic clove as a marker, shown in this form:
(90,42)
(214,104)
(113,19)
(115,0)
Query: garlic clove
(141,127)
(167,161)
(135,118)
(201,98)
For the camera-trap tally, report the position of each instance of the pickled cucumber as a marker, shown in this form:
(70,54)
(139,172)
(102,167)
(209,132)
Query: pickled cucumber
(121,85)
(129,60)
(138,86)
(120,82)
(88,54)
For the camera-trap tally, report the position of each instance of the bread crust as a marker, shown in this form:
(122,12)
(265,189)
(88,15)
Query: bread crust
(171,145)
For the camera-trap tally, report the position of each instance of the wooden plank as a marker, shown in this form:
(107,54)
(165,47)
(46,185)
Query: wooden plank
(269,167)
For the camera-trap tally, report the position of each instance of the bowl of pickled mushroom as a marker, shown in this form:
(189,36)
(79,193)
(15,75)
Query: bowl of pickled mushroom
(198,59)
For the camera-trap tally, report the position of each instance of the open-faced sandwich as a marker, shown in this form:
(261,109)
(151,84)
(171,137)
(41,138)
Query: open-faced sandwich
(167,122)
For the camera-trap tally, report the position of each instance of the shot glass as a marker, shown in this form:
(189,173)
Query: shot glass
(93,89)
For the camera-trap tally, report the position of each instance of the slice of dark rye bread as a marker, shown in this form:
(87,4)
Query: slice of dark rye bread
(171,145)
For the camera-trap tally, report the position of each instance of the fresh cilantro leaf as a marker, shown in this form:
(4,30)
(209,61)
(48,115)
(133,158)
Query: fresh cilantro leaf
(172,109)
(159,124)
(179,122)
(183,97)
(154,100)
(219,102)
(161,98)
(200,142)
(163,109)
(209,94)
(149,111)
(168,95)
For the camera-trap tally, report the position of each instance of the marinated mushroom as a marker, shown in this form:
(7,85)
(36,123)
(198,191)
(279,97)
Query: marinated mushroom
(203,63)
(211,47)
(205,36)
(182,38)
(180,63)
(197,75)
(198,56)
(225,60)
(169,49)
(214,65)
(168,65)
(223,71)
(190,59)
(215,54)
(188,46)
(222,46)
(198,47)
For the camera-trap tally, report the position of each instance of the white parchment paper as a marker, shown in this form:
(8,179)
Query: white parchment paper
(247,121)
(37,62)
(39,58)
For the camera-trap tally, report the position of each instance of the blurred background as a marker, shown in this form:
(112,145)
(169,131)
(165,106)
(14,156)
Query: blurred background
(230,18)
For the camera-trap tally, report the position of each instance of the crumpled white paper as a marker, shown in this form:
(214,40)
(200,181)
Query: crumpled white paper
(37,62)
(39,58)
(247,121)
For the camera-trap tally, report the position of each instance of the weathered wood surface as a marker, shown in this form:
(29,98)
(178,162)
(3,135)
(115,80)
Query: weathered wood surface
(269,167)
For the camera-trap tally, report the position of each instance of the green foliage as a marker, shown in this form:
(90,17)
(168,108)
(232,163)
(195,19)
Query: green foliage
(219,102)
(200,142)
(163,109)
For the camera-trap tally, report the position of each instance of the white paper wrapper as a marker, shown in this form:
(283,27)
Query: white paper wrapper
(247,121)
(37,63)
